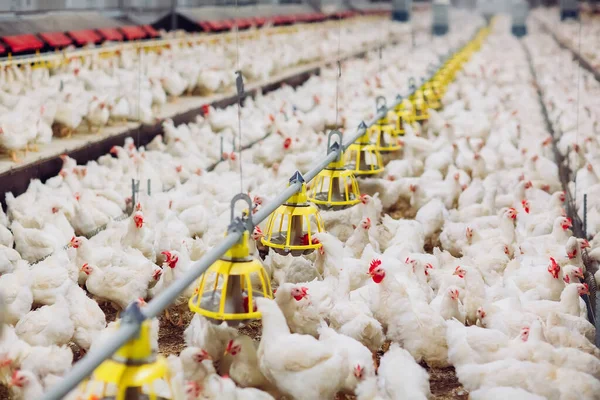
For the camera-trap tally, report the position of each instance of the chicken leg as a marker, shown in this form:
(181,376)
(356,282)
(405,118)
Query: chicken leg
(13,156)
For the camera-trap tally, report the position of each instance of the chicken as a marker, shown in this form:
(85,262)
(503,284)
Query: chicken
(415,384)
(197,364)
(26,385)
(210,337)
(16,294)
(118,285)
(34,244)
(244,367)
(413,324)
(139,236)
(87,317)
(473,345)
(47,325)
(291,361)
(360,360)
(448,305)
(301,317)
(533,377)
(569,303)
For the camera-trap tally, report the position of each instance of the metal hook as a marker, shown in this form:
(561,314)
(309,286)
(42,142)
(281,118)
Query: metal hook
(412,84)
(236,222)
(380,103)
(336,146)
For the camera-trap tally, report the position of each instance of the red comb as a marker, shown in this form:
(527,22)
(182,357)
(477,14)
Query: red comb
(374,264)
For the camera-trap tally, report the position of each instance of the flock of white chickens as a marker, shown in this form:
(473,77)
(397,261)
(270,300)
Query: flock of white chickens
(482,274)
(87,93)
(582,36)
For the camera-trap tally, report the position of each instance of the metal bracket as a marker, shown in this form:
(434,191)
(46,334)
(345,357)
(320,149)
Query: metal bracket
(239,83)
(362,125)
(297,177)
(135,189)
(412,84)
(222,149)
(240,224)
(380,103)
(335,146)
(133,314)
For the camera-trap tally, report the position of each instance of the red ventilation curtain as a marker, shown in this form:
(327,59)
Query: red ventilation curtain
(133,32)
(111,34)
(85,36)
(150,31)
(56,39)
(20,43)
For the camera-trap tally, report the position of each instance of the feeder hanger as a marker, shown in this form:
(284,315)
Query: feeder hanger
(240,224)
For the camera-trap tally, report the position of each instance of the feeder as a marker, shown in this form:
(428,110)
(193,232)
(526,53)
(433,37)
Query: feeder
(404,115)
(363,158)
(134,372)
(290,228)
(233,300)
(335,187)
(421,113)
(430,97)
(383,130)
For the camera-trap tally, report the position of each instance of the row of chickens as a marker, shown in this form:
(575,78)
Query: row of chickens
(582,35)
(39,103)
(139,257)
(571,97)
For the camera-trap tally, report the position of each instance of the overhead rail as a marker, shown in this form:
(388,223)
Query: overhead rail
(133,317)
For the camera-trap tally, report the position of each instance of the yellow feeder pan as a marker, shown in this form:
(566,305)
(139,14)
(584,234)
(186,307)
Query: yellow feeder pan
(384,130)
(335,187)
(421,113)
(431,100)
(291,227)
(134,372)
(404,115)
(363,158)
(234,300)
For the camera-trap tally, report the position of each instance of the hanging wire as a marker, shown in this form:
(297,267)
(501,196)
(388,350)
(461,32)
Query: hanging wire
(240,85)
(578,99)
(339,74)
(139,111)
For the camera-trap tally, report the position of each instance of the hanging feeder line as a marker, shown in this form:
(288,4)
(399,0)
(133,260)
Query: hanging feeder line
(129,327)
(564,174)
